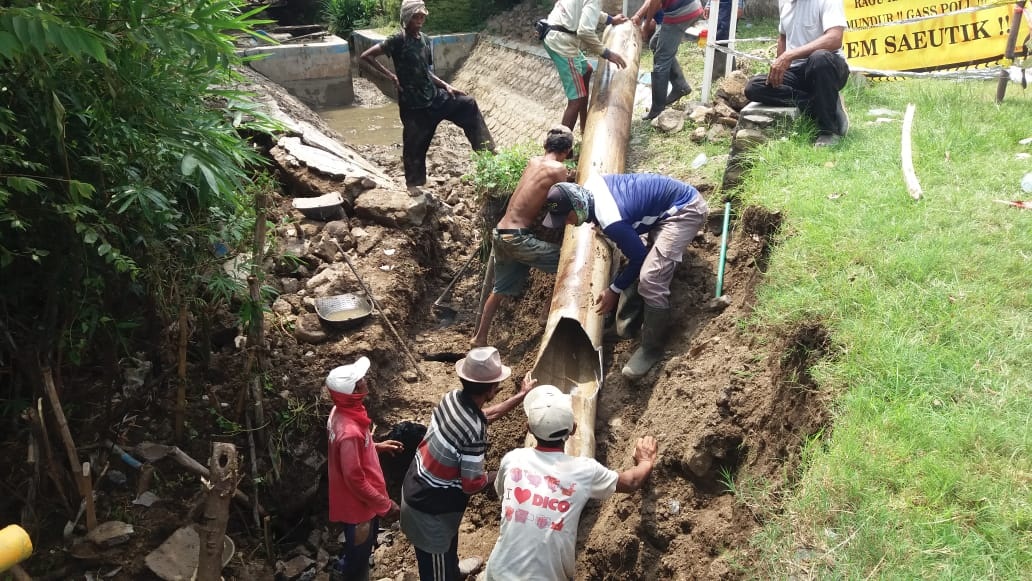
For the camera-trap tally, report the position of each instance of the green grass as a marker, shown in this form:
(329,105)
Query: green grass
(926,471)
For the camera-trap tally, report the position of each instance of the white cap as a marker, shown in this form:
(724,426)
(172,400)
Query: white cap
(549,413)
(344,378)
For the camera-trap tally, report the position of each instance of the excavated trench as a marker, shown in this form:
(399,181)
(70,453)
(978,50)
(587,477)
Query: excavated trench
(730,405)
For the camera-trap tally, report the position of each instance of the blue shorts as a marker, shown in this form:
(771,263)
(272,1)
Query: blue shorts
(515,254)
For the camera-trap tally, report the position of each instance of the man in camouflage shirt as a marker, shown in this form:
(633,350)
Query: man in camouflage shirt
(424,100)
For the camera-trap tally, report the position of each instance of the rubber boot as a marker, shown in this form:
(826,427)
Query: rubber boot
(630,311)
(660,81)
(681,85)
(653,338)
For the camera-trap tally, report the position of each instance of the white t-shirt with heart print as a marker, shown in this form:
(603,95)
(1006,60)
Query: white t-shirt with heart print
(543,494)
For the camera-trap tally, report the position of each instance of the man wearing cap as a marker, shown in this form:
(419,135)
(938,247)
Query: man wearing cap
(573,26)
(544,490)
(358,493)
(514,248)
(424,100)
(449,463)
(626,206)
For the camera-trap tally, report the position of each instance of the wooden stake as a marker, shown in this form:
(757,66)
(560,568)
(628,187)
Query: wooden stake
(909,175)
(85,489)
(37,418)
(184,337)
(87,485)
(225,474)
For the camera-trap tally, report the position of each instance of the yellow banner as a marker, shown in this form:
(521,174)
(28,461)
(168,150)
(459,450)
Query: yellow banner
(877,39)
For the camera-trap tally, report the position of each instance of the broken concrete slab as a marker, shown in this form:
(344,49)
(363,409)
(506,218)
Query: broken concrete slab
(391,208)
(176,558)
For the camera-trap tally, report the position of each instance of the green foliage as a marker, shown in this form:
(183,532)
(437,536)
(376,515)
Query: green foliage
(926,472)
(495,175)
(344,16)
(120,161)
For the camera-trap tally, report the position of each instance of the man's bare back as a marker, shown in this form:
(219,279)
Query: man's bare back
(543,172)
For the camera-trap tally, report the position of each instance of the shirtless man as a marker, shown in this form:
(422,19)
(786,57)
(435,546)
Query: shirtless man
(514,248)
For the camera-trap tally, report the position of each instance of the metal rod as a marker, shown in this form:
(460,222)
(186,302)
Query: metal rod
(376,305)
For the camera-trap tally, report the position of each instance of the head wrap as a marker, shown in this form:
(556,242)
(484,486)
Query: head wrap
(410,8)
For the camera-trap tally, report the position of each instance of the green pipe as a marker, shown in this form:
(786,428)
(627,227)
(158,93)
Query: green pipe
(723,249)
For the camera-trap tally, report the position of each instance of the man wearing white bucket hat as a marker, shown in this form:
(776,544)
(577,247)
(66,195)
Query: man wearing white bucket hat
(358,493)
(544,490)
(449,463)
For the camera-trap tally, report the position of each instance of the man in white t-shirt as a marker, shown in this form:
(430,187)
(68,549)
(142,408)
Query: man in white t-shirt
(810,68)
(544,490)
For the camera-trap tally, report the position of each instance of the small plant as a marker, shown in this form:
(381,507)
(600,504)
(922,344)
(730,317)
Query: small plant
(495,175)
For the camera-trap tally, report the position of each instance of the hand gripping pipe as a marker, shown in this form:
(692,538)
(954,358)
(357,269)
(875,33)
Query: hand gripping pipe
(570,356)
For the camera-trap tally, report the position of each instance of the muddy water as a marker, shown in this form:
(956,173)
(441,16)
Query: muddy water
(366,125)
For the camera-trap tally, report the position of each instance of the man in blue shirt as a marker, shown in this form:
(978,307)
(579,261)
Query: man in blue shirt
(625,207)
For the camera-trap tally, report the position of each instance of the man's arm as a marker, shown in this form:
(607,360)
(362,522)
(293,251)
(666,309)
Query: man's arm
(369,57)
(442,84)
(645,451)
(591,17)
(646,12)
(500,409)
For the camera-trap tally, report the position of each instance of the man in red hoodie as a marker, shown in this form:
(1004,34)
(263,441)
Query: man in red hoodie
(358,493)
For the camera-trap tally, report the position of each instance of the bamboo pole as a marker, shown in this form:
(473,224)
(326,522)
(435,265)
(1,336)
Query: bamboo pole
(85,489)
(184,337)
(570,356)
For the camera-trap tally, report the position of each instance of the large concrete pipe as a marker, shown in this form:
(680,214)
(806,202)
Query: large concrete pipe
(570,356)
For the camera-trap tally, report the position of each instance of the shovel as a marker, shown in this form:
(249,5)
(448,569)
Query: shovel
(445,313)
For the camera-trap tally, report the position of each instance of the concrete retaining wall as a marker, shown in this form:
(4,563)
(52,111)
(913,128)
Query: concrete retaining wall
(318,73)
(517,88)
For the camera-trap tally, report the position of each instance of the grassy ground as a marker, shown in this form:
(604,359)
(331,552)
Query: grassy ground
(926,471)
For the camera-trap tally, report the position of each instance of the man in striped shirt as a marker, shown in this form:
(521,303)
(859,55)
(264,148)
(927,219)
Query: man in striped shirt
(625,207)
(449,462)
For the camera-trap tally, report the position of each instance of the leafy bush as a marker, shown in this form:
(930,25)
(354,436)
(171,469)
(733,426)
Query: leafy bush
(120,166)
(344,16)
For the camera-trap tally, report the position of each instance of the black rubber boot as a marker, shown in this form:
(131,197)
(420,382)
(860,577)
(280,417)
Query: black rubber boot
(630,312)
(653,339)
(681,85)
(660,81)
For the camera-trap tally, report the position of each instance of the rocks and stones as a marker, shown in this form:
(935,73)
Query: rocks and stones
(296,569)
(669,121)
(308,329)
(391,208)
(110,533)
(470,566)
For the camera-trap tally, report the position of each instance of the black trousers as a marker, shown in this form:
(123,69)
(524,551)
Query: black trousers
(813,87)
(419,126)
